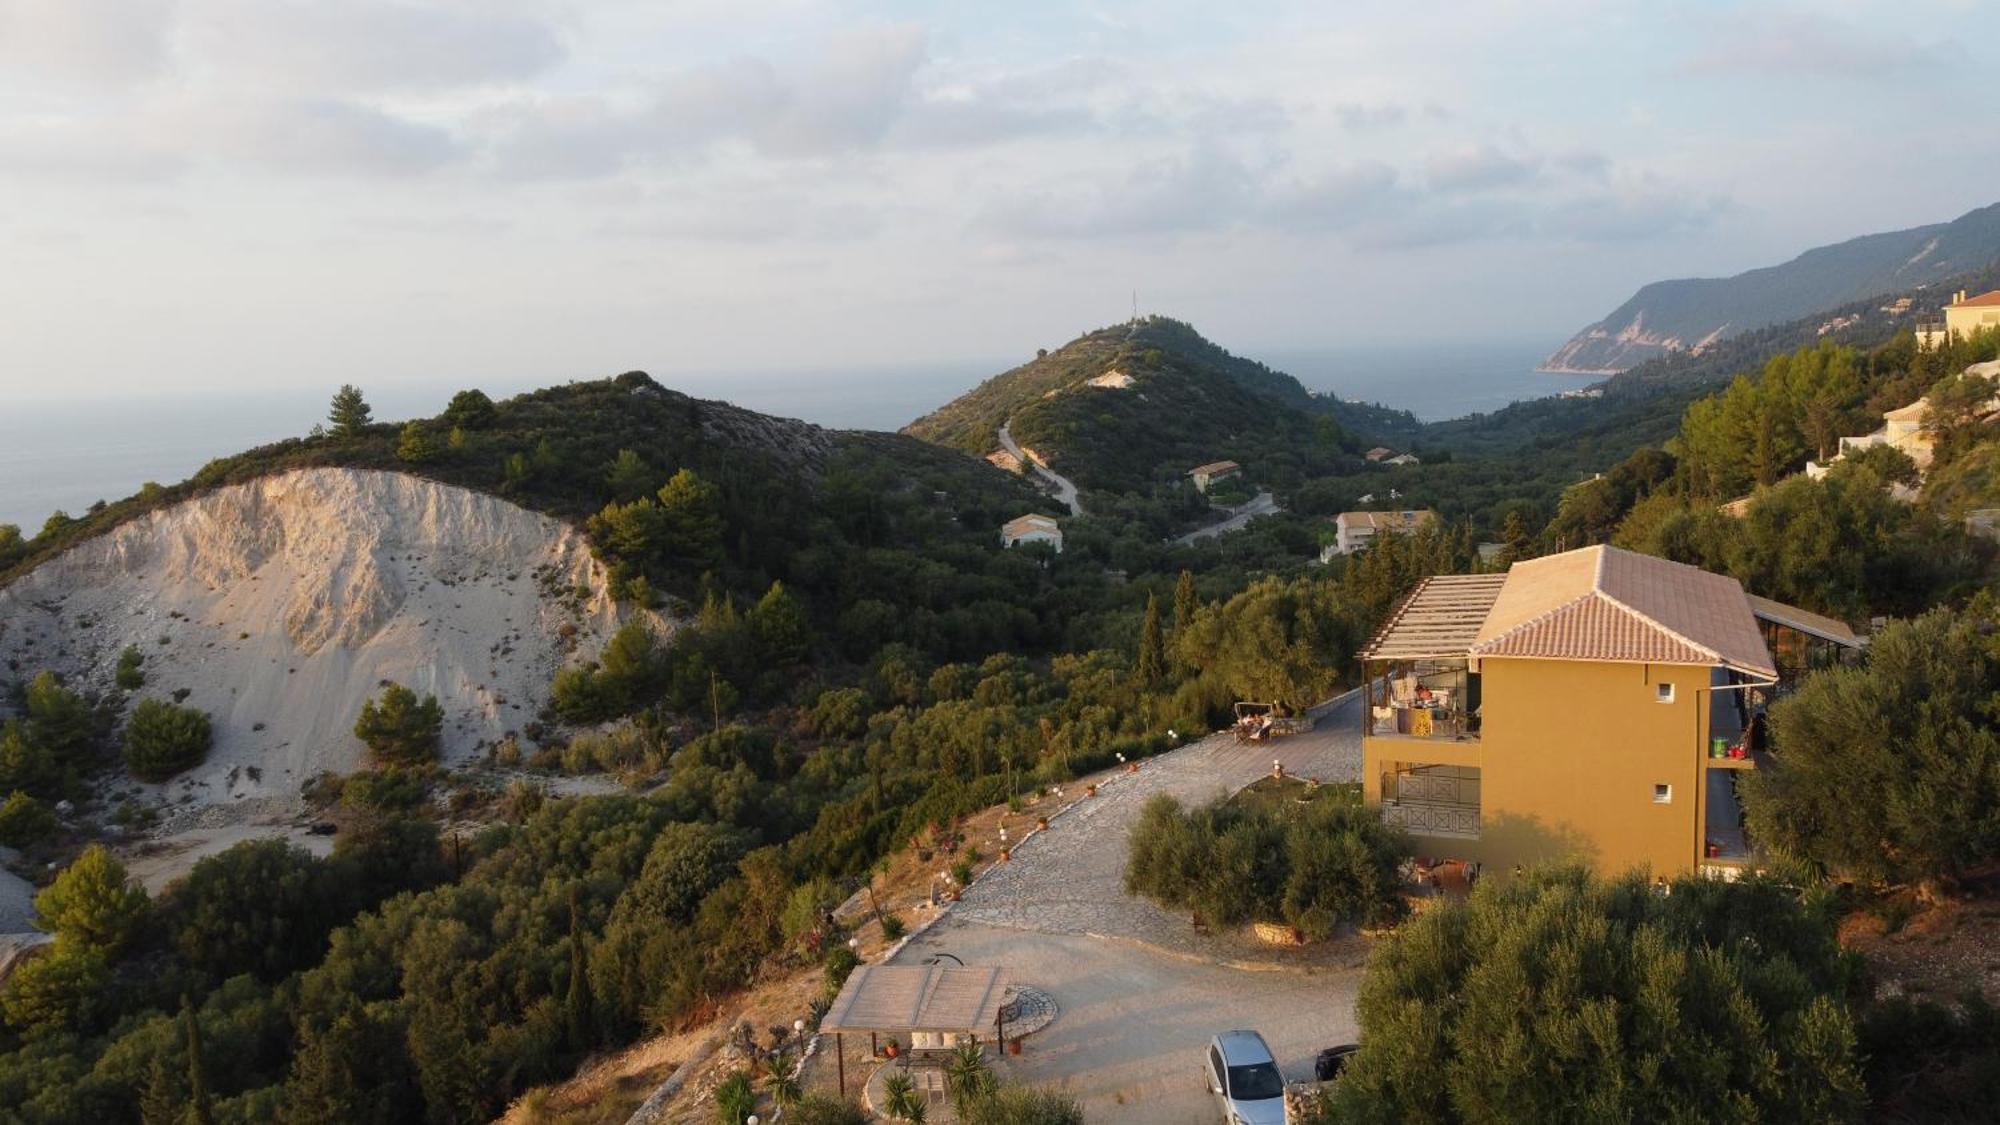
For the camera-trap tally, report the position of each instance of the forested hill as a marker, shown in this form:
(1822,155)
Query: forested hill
(1669,317)
(1140,403)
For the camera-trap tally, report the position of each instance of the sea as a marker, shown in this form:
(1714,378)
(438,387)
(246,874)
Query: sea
(61,454)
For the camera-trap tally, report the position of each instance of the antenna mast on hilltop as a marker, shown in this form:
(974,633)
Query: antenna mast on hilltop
(1135,306)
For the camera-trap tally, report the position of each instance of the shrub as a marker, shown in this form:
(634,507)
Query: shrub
(892,926)
(840,961)
(130,675)
(1019,1105)
(399,730)
(735,1100)
(162,739)
(25,821)
(60,990)
(821,1109)
(1313,869)
(1556,996)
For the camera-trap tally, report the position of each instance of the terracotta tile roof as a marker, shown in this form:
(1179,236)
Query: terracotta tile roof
(1214,467)
(1387,521)
(1033,521)
(1604,603)
(1990,297)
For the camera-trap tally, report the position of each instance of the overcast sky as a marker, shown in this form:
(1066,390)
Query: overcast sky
(208,193)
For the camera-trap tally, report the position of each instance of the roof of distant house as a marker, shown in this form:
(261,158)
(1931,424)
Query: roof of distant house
(1990,297)
(1911,413)
(1033,521)
(1606,603)
(1387,521)
(1214,467)
(1379,452)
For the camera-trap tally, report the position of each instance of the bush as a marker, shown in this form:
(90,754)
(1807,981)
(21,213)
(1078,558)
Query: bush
(1019,1105)
(60,990)
(1891,770)
(840,961)
(93,903)
(1312,869)
(1555,996)
(162,739)
(892,926)
(821,1109)
(399,730)
(262,907)
(1928,1062)
(130,675)
(25,821)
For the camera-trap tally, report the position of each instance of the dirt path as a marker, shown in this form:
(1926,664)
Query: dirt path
(1065,490)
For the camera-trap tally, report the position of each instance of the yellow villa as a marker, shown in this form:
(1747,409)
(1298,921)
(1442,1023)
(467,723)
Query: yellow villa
(1964,316)
(1588,704)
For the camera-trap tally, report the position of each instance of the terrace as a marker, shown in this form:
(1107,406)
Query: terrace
(1420,681)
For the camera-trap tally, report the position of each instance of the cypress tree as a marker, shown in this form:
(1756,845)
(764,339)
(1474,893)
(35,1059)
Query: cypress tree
(578,1003)
(1184,602)
(200,1112)
(349,413)
(1152,647)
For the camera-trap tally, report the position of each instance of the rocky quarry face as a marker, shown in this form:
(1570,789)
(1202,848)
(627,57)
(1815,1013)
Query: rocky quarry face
(281,605)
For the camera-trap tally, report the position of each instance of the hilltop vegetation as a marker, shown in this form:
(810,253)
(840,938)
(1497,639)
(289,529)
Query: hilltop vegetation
(1188,402)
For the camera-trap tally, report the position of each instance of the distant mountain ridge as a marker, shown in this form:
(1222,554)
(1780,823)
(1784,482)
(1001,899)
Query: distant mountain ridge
(1691,315)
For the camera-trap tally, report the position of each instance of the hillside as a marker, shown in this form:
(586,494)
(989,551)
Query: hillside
(1691,315)
(1137,404)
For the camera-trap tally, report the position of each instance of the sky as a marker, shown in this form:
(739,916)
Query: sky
(202,194)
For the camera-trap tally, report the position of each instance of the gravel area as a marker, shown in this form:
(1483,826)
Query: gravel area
(1068,879)
(1138,993)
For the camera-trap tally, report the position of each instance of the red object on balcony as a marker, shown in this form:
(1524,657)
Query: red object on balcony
(1714,849)
(1736,751)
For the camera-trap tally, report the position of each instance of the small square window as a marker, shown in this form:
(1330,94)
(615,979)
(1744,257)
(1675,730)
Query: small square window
(1663,794)
(1663,693)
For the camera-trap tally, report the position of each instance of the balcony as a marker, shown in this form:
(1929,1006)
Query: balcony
(1433,800)
(1424,699)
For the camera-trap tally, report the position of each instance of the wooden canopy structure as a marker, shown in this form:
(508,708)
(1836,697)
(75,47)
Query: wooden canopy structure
(1440,619)
(901,1000)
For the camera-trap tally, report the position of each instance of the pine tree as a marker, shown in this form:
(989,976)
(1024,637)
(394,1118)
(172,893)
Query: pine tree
(578,1002)
(200,1112)
(1184,602)
(1152,647)
(349,413)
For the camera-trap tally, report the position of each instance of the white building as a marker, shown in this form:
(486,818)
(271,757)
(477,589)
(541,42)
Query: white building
(1355,530)
(1032,528)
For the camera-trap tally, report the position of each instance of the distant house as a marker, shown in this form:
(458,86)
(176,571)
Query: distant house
(1903,428)
(1355,530)
(1964,316)
(1032,528)
(1001,459)
(1379,452)
(1205,475)
(1403,459)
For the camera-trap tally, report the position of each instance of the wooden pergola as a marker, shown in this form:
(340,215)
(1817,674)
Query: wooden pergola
(902,1000)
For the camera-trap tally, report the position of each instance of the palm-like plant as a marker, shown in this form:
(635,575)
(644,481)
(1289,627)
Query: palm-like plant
(785,1088)
(900,1099)
(735,1099)
(966,1074)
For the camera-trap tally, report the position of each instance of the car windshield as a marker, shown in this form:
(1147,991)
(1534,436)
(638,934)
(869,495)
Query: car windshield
(1255,1082)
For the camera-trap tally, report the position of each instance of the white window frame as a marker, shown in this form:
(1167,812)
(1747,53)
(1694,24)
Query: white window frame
(1663,692)
(1663,793)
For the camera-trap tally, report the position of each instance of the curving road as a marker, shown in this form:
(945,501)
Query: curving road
(1263,504)
(1065,489)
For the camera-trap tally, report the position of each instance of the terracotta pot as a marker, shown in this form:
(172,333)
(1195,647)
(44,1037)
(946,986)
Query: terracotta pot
(1013,1046)
(1006,855)
(1041,822)
(1131,767)
(1090,791)
(891,1050)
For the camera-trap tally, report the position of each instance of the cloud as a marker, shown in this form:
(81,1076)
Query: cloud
(318,136)
(1337,199)
(1204,189)
(1805,44)
(845,98)
(89,41)
(1359,117)
(354,46)
(1480,168)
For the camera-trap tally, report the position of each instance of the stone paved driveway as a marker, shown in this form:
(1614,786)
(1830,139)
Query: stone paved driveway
(1138,992)
(1068,880)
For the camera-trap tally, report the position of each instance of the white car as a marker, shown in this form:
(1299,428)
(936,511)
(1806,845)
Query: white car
(1242,1072)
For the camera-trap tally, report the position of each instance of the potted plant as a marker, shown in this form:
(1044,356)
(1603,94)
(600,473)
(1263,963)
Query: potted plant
(1006,855)
(1090,790)
(1041,822)
(891,1048)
